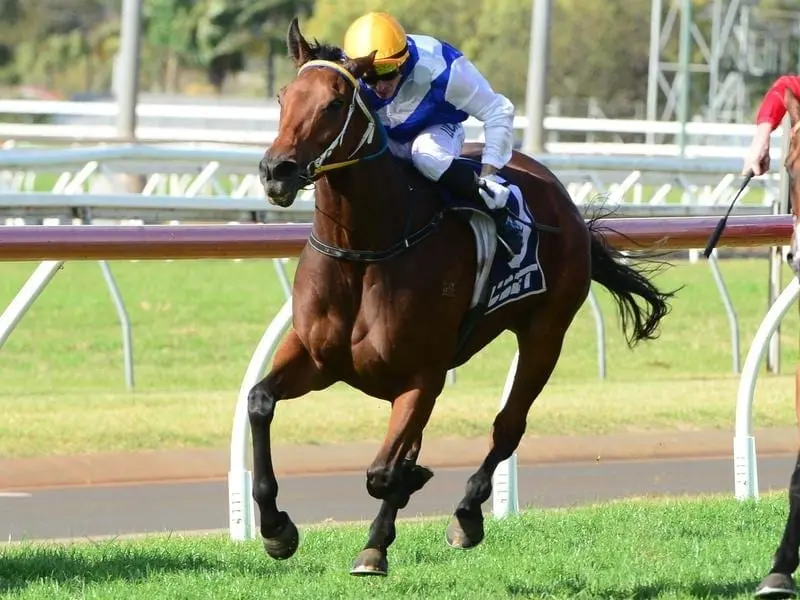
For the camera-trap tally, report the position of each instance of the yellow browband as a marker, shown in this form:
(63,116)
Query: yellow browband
(331,65)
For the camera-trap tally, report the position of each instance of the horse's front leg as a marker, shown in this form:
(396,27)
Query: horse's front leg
(372,559)
(394,475)
(293,374)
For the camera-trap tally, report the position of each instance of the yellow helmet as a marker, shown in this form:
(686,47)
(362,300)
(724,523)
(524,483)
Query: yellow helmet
(377,31)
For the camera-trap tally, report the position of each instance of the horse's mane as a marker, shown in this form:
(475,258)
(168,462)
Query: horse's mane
(322,51)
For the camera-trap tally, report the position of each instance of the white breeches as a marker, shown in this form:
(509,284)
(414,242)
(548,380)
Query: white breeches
(433,149)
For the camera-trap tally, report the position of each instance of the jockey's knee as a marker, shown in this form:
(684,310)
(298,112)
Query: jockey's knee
(431,164)
(433,150)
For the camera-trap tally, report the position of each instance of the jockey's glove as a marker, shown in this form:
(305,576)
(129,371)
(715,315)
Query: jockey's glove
(493,193)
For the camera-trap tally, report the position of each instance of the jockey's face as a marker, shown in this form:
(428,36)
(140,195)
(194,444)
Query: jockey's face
(384,85)
(386,89)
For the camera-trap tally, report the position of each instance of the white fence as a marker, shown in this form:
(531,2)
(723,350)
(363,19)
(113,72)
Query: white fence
(232,173)
(639,185)
(221,123)
(220,185)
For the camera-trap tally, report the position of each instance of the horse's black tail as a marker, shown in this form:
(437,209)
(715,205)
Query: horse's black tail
(628,276)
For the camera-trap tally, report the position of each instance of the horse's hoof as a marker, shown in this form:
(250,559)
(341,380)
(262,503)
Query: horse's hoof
(284,543)
(776,585)
(464,531)
(370,561)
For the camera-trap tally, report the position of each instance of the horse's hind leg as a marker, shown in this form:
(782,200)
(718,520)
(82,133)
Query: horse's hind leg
(539,349)
(372,559)
(779,582)
(293,374)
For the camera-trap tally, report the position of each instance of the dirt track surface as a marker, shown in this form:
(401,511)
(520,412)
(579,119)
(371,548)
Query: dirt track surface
(95,512)
(198,465)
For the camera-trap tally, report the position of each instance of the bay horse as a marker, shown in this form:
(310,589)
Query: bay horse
(779,583)
(384,295)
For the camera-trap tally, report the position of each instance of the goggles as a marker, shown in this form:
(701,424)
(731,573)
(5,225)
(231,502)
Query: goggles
(372,77)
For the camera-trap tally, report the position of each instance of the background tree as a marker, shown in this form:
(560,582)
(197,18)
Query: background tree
(617,75)
(262,26)
(10,14)
(169,27)
(599,50)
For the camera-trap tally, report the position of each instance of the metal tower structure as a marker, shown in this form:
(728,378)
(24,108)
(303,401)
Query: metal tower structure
(715,53)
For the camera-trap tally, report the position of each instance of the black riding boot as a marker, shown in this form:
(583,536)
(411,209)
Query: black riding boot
(462,180)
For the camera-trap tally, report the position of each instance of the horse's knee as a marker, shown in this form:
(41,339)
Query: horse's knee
(260,405)
(379,482)
(396,486)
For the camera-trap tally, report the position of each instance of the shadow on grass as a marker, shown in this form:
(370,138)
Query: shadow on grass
(73,567)
(639,592)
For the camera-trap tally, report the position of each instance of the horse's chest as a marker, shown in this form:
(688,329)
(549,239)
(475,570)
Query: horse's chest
(359,343)
(373,328)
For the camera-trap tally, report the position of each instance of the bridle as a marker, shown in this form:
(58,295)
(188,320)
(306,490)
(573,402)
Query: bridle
(319,166)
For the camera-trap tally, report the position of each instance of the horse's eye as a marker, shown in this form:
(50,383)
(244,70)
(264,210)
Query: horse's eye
(334,105)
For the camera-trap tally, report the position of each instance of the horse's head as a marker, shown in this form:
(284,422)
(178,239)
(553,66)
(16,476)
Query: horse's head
(318,118)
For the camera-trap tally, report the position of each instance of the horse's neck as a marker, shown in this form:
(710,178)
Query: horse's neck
(366,206)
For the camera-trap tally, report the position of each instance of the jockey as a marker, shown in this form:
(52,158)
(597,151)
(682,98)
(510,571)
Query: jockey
(423,89)
(769,116)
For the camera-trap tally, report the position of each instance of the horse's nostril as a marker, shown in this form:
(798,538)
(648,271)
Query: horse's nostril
(286,169)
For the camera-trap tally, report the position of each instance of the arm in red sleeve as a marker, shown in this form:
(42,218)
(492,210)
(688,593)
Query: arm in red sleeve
(772,107)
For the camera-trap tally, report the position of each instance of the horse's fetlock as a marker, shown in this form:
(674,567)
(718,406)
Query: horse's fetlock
(479,487)
(263,491)
(273,524)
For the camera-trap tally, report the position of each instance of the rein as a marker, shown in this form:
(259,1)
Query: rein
(319,166)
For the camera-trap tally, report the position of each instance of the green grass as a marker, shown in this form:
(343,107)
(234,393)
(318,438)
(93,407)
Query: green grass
(671,549)
(195,325)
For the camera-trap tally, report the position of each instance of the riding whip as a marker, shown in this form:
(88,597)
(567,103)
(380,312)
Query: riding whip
(712,241)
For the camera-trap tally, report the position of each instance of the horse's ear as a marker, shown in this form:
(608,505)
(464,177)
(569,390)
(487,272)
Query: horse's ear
(359,66)
(792,105)
(299,50)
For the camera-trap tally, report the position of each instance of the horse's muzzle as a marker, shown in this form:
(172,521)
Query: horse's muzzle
(280,178)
